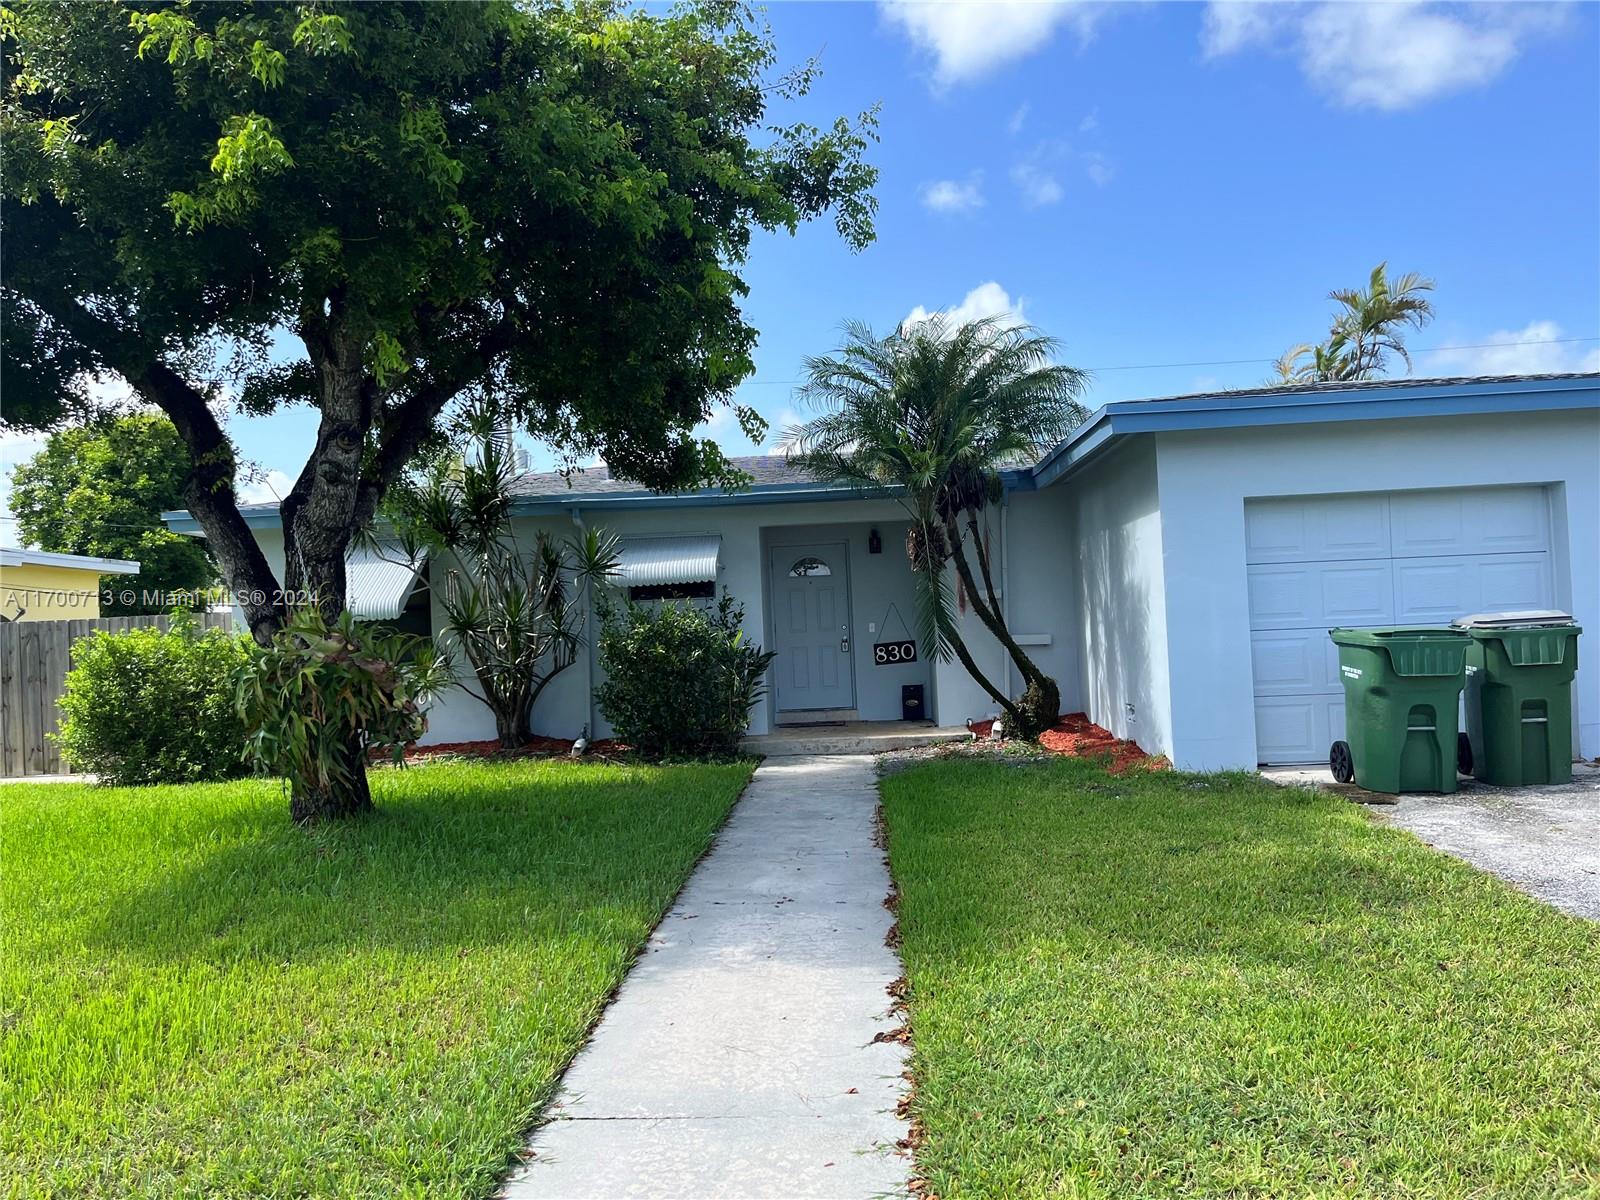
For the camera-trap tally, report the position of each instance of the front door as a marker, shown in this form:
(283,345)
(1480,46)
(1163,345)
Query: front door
(811,627)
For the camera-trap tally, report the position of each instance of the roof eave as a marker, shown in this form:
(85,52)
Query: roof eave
(1223,410)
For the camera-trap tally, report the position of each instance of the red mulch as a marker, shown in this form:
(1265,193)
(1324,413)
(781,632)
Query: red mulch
(1075,736)
(536,747)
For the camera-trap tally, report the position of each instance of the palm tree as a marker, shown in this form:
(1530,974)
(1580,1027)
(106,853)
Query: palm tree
(1373,321)
(929,415)
(1370,324)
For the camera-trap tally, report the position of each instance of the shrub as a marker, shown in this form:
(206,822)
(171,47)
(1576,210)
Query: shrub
(149,705)
(325,693)
(680,679)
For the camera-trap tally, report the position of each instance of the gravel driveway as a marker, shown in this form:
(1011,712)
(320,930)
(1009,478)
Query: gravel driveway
(1543,839)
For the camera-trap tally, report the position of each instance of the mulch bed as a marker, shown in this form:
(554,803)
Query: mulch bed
(1075,736)
(537,747)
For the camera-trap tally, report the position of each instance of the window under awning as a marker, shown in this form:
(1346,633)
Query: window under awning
(657,561)
(379,580)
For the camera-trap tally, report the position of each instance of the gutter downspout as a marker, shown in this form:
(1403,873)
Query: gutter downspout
(1005,584)
(588,631)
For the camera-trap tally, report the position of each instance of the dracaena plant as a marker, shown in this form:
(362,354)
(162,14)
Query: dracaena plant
(514,607)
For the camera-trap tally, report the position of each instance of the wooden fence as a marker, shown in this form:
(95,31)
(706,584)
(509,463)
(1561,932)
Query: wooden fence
(35,657)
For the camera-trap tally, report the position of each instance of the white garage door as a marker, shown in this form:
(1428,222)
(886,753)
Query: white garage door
(1374,559)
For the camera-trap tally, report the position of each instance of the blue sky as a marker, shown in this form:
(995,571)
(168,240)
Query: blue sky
(1183,183)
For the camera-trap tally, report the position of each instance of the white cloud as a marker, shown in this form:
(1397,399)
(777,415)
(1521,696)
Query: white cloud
(1098,167)
(1386,56)
(954,196)
(970,38)
(1538,348)
(1038,175)
(985,300)
(1014,125)
(779,424)
(1091,121)
(1038,185)
(263,487)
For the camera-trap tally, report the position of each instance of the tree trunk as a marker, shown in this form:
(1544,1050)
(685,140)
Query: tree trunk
(511,728)
(346,798)
(318,517)
(319,513)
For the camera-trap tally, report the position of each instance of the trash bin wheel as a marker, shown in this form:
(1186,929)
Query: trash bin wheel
(1463,754)
(1340,762)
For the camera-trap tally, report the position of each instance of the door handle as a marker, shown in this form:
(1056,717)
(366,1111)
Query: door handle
(844,645)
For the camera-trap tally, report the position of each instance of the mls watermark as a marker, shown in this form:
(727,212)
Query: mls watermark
(166,599)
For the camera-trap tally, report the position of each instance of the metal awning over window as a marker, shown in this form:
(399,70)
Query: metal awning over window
(379,580)
(655,561)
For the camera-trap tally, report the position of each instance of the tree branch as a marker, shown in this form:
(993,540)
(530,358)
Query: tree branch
(208,486)
(402,430)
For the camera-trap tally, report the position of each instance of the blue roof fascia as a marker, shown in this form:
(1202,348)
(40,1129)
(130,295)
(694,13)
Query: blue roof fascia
(1222,411)
(779,493)
(179,521)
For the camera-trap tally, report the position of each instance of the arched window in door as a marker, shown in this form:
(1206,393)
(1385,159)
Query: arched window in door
(809,567)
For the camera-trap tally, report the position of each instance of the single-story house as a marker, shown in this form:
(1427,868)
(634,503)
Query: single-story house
(39,585)
(1175,563)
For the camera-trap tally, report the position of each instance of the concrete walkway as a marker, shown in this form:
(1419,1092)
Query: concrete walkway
(738,1058)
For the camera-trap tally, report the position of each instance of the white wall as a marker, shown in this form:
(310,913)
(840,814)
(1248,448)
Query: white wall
(1121,606)
(1205,478)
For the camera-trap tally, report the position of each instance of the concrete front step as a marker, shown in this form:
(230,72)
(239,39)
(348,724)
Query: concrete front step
(855,737)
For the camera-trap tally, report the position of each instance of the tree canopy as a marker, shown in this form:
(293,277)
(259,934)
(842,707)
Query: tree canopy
(100,489)
(433,199)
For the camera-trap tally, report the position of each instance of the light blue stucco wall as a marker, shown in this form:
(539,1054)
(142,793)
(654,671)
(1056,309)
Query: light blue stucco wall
(1206,477)
(1115,526)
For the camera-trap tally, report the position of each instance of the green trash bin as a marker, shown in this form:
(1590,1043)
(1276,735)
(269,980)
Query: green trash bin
(1519,696)
(1402,695)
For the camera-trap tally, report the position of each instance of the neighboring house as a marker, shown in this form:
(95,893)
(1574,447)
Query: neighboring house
(37,585)
(1175,563)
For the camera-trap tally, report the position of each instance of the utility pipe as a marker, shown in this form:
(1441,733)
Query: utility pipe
(589,631)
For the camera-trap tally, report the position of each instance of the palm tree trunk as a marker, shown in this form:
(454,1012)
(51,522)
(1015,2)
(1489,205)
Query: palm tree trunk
(1044,704)
(1000,698)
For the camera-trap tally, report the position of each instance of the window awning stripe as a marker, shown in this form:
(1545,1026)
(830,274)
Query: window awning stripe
(653,561)
(379,579)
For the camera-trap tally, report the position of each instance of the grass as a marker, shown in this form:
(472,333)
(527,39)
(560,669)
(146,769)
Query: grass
(197,999)
(1160,984)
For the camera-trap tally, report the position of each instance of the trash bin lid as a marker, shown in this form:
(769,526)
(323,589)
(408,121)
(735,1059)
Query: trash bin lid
(1523,619)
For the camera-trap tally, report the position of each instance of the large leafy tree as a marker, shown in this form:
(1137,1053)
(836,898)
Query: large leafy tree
(552,201)
(929,416)
(1368,326)
(428,197)
(100,489)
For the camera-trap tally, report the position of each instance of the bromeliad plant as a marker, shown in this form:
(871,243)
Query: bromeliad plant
(516,612)
(929,415)
(322,695)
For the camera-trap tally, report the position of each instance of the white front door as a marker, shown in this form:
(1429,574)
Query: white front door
(811,627)
(1377,558)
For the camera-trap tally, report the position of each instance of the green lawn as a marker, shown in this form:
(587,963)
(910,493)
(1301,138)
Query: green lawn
(197,999)
(1177,985)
